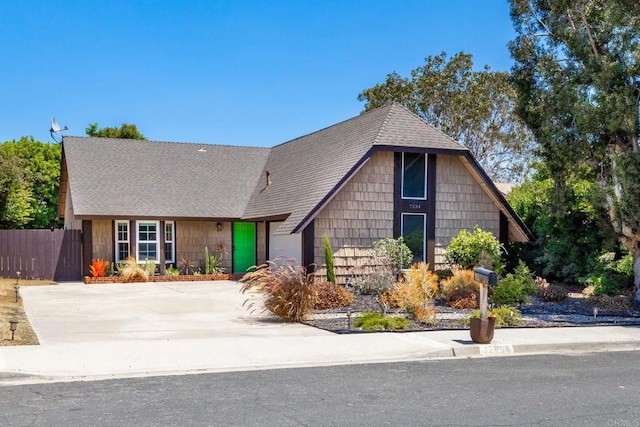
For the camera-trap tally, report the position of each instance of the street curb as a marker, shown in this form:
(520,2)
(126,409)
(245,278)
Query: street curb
(487,350)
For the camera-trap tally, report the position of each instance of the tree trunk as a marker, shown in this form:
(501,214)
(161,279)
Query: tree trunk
(636,274)
(629,236)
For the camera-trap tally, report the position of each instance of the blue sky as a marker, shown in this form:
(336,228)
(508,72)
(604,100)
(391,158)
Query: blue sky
(225,72)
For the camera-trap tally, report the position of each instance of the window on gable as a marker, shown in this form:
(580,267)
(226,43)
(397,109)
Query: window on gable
(169,242)
(414,176)
(122,240)
(148,240)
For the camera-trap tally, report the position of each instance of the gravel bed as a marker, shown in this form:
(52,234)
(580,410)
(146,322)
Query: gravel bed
(536,314)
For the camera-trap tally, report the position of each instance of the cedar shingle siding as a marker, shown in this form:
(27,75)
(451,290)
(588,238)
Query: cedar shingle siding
(359,215)
(460,204)
(193,236)
(102,238)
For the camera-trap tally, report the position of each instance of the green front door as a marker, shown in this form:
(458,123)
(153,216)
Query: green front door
(244,246)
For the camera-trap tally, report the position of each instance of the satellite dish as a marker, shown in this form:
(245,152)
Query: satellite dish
(55,128)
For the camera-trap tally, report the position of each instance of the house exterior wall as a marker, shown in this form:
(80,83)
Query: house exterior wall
(70,222)
(193,236)
(460,204)
(359,215)
(102,239)
(191,239)
(261,243)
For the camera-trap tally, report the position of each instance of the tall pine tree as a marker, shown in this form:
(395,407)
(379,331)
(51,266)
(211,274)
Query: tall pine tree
(577,75)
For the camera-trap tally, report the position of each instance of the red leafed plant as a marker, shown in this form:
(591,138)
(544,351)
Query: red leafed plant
(98,267)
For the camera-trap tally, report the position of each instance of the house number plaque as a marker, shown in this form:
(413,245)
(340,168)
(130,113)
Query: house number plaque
(415,206)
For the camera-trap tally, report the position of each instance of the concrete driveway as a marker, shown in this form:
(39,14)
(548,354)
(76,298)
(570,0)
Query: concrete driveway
(75,313)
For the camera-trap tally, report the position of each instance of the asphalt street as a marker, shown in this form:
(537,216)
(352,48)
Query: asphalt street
(599,389)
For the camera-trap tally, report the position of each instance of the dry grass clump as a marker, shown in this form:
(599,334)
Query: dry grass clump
(415,293)
(460,290)
(550,292)
(329,295)
(288,289)
(606,302)
(462,299)
(133,271)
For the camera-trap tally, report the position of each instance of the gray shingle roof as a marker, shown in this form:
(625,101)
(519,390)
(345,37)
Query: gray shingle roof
(402,128)
(306,170)
(132,178)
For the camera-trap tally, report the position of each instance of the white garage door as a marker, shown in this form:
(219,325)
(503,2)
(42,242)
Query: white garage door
(289,245)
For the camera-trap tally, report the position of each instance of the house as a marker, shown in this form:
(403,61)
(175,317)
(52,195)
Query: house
(384,173)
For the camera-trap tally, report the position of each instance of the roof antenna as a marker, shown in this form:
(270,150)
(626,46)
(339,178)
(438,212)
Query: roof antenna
(55,128)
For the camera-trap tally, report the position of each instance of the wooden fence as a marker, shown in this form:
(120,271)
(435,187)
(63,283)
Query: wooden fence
(41,254)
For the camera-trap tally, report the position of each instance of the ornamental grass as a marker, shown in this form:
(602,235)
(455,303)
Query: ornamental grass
(288,290)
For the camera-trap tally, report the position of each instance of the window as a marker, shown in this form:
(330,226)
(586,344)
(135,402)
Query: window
(169,242)
(414,227)
(122,240)
(414,176)
(148,241)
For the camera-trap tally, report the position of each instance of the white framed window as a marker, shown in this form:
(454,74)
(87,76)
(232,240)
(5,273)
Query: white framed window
(148,241)
(169,242)
(122,240)
(414,231)
(414,176)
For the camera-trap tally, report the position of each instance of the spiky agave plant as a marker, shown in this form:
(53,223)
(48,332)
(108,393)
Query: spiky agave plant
(288,290)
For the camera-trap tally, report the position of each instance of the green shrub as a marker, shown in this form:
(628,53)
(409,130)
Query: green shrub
(150,266)
(514,287)
(328,260)
(212,263)
(329,295)
(604,283)
(373,280)
(472,249)
(374,321)
(505,315)
(393,252)
(171,271)
(611,275)
(115,269)
(289,291)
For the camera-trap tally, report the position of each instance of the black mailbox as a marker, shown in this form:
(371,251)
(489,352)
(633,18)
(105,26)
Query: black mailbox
(488,277)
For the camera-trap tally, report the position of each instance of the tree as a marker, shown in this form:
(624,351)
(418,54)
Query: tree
(476,108)
(33,169)
(15,194)
(568,242)
(125,131)
(577,75)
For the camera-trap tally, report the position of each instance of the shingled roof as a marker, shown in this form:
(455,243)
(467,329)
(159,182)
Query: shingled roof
(306,171)
(119,178)
(123,178)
